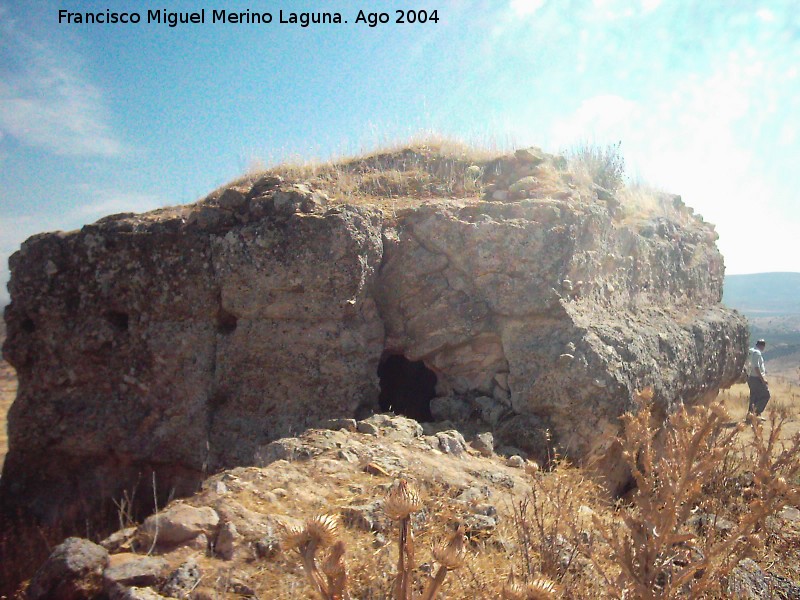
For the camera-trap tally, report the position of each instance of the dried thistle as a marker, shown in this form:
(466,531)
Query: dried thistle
(323,529)
(672,466)
(513,591)
(402,500)
(450,556)
(542,589)
(318,532)
(294,536)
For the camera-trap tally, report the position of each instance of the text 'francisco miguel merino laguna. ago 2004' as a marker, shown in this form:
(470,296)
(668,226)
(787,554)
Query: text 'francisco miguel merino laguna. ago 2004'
(303,19)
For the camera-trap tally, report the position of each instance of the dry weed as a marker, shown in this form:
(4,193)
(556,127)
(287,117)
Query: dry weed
(655,551)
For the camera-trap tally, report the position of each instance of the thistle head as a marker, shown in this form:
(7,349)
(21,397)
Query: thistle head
(319,531)
(542,588)
(402,500)
(323,529)
(513,591)
(451,554)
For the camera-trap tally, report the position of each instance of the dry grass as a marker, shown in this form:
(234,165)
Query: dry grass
(785,399)
(558,533)
(429,169)
(391,177)
(8,391)
(564,530)
(603,165)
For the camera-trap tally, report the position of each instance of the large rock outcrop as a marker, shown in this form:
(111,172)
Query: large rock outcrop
(172,344)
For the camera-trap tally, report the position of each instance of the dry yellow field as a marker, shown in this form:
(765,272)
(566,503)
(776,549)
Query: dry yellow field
(8,390)
(785,400)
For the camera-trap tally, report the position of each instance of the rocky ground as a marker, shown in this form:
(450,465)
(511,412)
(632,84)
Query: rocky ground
(227,541)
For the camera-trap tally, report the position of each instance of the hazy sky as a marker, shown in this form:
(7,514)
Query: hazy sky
(705,97)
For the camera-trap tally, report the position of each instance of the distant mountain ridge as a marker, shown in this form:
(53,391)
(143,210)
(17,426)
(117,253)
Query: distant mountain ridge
(763,293)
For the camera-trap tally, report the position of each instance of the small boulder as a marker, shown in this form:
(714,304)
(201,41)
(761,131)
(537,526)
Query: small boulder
(367,517)
(523,186)
(533,156)
(748,581)
(298,198)
(790,513)
(265,184)
(120,592)
(227,540)
(484,443)
(232,199)
(131,570)
(451,442)
(704,522)
(337,424)
(119,540)
(480,526)
(182,580)
(178,524)
(473,494)
(73,571)
(367,427)
(515,461)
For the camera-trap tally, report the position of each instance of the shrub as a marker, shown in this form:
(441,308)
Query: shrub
(604,165)
(654,548)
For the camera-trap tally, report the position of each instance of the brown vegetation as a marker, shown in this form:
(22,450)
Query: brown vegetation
(704,500)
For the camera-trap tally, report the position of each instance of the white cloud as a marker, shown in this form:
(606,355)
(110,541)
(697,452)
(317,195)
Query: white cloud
(46,103)
(650,5)
(766,15)
(526,7)
(701,140)
(598,119)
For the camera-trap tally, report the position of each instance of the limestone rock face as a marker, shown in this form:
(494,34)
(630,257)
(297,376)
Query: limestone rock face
(161,347)
(160,344)
(553,308)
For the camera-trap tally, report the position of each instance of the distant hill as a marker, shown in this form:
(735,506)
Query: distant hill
(771,302)
(763,294)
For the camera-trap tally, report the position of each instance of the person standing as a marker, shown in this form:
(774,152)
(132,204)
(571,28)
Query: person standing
(757,379)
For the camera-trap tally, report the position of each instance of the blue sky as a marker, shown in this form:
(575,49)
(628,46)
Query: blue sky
(705,97)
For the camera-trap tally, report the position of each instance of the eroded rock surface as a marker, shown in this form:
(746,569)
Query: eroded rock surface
(165,346)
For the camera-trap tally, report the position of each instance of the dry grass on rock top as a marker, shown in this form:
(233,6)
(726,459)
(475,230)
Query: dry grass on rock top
(434,170)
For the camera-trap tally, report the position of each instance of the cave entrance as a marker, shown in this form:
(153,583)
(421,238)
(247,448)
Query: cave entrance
(407,387)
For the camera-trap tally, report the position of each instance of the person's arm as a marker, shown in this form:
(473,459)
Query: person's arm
(762,370)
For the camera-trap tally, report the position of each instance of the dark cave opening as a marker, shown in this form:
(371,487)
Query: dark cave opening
(407,387)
